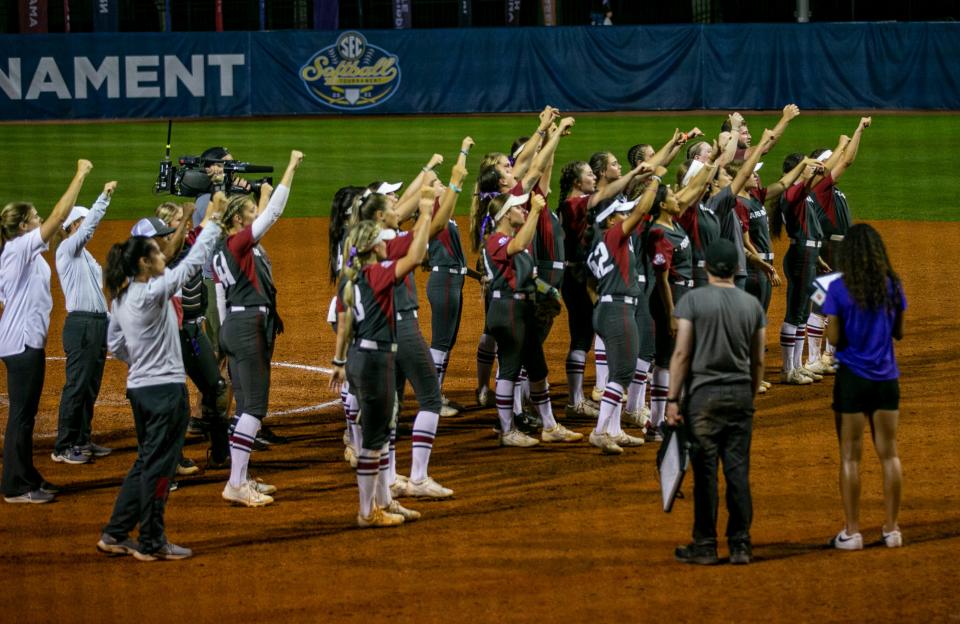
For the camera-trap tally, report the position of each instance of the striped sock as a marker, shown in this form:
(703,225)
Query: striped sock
(815,325)
(658,394)
(486,354)
(610,404)
(424,431)
(368,468)
(637,391)
(382,496)
(600,357)
(346,410)
(439,359)
(241,443)
(518,391)
(540,397)
(576,362)
(504,397)
(788,336)
(798,346)
(390,450)
(353,418)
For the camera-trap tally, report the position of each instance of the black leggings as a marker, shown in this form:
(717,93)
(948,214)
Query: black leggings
(800,268)
(371,375)
(579,311)
(616,322)
(445,294)
(25,373)
(512,323)
(246,338)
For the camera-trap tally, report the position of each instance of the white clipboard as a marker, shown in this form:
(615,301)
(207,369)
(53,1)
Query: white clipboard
(672,468)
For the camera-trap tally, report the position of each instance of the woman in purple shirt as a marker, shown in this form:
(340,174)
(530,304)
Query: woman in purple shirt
(865,302)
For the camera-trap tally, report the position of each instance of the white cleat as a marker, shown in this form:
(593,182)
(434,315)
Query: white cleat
(246,495)
(560,434)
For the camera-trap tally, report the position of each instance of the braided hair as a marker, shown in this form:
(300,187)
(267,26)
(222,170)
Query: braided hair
(340,212)
(358,247)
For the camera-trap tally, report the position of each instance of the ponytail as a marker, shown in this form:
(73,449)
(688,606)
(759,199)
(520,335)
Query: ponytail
(340,213)
(12,215)
(487,188)
(123,263)
(360,237)
(568,176)
(235,204)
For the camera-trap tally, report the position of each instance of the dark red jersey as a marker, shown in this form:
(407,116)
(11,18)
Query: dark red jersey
(406,292)
(446,250)
(373,302)
(669,250)
(801,213)
(508,273)
(573,218)
(613,261)
(548,250)
(242,266)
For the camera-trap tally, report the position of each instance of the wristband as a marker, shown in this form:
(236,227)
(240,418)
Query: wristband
(657,178)
(455,188)
(542,133)
(337,362)
(669,400)
(464,152)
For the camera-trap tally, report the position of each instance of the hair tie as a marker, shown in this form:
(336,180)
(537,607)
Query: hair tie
(353,254)
(483,225)
(490,195)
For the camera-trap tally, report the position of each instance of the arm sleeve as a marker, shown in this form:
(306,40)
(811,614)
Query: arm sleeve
(221,300)
(172,280)
(269,216)
(200,208)
(75,244)
(116,342)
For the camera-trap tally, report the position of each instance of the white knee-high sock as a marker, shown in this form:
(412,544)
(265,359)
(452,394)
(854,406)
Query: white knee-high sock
(486,354)
(346,411)
(241,443)
(600,358)
(610,409)
(390,452)
(424,431)
(439,357)
(830,348)
(383,497)
(368,468)
(504,396)
(815,325)
(658,394)
(638,387)
(353,420)
(798,346)
(576,362)
(788,337)
(540,397)
(518,391)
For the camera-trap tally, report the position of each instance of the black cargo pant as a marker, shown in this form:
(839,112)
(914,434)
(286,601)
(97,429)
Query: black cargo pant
(160,414)
(24,384)
(721,420)
(85,345)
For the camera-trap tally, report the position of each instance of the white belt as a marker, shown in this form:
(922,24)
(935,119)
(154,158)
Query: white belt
(400,315)
(642,279)
(194,321)
(363,343)
(450,270)
(701,264)
(836,237)
(687,283)
(611,299)
(242,308)
(555,265)
(766,256)
(500,294)
(806,243)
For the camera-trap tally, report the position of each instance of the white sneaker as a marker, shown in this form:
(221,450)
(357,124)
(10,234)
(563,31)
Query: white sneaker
(847,542)
(893,539)
(817,367)
(809,373)
(379,518)
(448,411)
(350,455)
(597,394)
(627,440)
(794,378)
(428,488)
(762,389)
(483,396)
(515,437)
(246,495)
(260,486)
(399,487)
(766,384)
(605,443)
(560,434)
(408,515)
(582,409)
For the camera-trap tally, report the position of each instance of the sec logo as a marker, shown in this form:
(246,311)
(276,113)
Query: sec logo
(351,74)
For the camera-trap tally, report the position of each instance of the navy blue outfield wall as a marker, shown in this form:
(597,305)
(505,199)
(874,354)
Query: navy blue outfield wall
(150,75)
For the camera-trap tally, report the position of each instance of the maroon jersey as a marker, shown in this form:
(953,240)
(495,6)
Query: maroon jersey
(445,248)
(508,273)
(801,213)
(573,217)
(241,265)
(613,261)
(669,250)
(548,244)
(373,311)
(405,293)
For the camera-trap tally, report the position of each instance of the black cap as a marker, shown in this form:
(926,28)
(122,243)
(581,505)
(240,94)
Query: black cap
(721,257)
(213,154)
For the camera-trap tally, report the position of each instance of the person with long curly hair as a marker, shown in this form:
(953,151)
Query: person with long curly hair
(864,304)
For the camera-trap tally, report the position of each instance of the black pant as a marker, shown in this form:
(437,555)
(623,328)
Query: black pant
(445,293)
(247,339)
(371,375)
(24,384)
(413,363)
(721,420)
(160,415)
(200,363)
(85,344)
(512,323)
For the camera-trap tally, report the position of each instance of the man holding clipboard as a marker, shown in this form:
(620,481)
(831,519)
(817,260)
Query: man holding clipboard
(718,362)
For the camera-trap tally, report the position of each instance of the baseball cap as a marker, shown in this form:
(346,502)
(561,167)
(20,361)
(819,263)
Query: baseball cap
(825,155)
(78,212)
(150,227)
(214,153)
(721,257)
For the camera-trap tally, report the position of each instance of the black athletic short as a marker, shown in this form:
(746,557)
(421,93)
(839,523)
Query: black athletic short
(852,394)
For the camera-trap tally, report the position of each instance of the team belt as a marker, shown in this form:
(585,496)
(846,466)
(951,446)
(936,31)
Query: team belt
(242,308)
(407,315)
(687,283)
(701,264)
(503,294)
(619,299)
(836,237)
(373,345)
(194,321)
(766,256)
(555,265)
(806,243)
(450,270)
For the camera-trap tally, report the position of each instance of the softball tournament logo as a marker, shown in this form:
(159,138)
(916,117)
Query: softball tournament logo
(351,74)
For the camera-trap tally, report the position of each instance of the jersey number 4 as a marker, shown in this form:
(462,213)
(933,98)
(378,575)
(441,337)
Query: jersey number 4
(222,270)
(600,262)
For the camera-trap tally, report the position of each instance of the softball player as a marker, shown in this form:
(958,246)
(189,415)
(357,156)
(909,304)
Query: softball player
(368,328)
(250,326)
(613,262)
(84,333)
(24,323)
(511,317)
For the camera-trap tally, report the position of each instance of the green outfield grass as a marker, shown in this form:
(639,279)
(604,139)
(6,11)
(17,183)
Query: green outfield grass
(903,170)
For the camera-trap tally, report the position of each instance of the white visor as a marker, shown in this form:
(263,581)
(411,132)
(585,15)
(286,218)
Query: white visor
(78,212)
(387,188)
(758,167)
(694,169)
(514,200)
(616,206)
(824,156)
(518,150)
(385,234)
